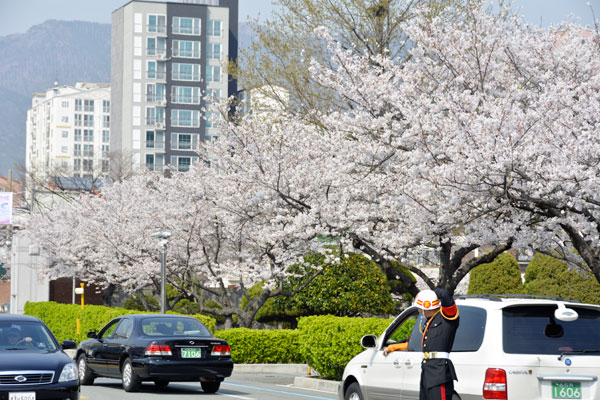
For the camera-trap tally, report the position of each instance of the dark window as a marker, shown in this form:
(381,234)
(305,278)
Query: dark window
(158,326)
(534,330)
(124,329)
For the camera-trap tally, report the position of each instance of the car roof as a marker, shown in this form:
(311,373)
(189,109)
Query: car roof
(154,315)
(18,318)
(499,302)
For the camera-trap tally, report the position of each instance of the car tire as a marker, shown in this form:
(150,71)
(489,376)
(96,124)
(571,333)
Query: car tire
(210,387)
(131,382)
(86,376)
(161,383)
(353,392)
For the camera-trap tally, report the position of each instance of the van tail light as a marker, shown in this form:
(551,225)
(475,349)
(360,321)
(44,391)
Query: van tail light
(220,350)
(158,350)
(494,386)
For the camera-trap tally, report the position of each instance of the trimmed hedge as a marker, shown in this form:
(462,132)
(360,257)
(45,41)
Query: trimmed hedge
(328,342)
(253,346)
(501,276)
(62,318)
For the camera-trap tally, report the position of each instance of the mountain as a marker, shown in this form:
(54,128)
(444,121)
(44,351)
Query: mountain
(54,51)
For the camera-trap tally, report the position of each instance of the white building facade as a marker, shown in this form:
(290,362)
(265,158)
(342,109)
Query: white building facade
(165,58)
(68,131)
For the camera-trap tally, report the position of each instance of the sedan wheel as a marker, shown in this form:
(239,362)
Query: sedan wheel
(210,387)
(86,377)
(131,382)
(353,392)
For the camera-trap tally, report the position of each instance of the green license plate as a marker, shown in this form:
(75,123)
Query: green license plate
(566,390)
(195,352)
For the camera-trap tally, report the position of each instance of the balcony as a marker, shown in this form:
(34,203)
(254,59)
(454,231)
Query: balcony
(155,144)
(156,99)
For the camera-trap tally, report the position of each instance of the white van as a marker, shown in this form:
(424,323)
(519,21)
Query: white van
(505,348)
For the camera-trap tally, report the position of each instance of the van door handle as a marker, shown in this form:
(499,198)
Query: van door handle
(396,363)
(408,363)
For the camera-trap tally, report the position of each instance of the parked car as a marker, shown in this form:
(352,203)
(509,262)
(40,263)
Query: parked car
(161,348)
(505,348)
(33,365)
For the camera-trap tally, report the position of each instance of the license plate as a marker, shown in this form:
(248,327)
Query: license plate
(566,390)
(191,352)
(21,396)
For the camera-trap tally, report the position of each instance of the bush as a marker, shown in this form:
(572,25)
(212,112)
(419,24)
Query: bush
(328,343)
(62,318)
(253,346)
(549,276)
(351,287)
(501,276)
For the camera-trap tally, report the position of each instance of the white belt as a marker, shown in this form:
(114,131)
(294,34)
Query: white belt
(435,354)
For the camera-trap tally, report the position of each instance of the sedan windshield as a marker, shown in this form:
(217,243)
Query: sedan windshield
(158,326)
(23,335)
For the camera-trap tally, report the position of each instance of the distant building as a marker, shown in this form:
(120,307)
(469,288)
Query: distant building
(165,57)
(15,187)
(68,132)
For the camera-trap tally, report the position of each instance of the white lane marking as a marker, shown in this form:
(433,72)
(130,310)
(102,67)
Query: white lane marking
(238,397)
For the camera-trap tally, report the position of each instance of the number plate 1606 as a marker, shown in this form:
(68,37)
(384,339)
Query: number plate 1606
(566,390)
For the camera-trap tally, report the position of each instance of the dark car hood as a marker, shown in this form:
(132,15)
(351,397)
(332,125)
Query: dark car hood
(15,360)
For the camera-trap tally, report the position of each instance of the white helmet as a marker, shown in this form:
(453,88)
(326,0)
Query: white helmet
(427,300)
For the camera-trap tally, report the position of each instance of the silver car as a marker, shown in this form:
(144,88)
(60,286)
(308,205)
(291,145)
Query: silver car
(505,348)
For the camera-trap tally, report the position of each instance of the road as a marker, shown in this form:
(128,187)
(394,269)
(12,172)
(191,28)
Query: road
(238,386)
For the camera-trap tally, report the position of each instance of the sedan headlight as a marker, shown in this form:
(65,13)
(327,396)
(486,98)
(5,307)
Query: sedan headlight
(69,373)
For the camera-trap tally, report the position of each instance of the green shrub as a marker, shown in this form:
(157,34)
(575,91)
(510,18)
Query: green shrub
(549,276)
(62,318)
(327,343)
(253,346)
(501,276)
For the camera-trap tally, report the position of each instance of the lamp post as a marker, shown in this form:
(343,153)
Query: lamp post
(164,240)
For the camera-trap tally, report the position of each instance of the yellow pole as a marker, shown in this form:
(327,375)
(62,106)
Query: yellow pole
(78,325)
(82,303)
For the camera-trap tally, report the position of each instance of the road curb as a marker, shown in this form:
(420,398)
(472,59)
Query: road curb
(307,382)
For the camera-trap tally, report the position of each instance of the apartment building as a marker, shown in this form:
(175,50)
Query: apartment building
(166,58)
(68,132)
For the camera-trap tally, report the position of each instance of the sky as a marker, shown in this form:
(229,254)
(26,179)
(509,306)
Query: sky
(17,16)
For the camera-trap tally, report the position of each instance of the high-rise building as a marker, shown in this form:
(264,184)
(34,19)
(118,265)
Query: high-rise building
(68,132)
(165,58)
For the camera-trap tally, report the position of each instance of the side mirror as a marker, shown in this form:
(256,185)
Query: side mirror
(369,341)
(91,335)
(68,344)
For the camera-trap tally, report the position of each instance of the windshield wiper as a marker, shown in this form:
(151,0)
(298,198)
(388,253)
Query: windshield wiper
(16,348)
(564,353)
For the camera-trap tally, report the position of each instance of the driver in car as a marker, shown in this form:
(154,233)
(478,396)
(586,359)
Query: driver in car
(437,371)
(14,337)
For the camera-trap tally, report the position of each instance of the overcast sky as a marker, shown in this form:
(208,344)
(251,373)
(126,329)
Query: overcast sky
(16,16)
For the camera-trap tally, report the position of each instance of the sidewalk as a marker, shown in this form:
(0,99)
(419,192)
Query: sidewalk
(302,379)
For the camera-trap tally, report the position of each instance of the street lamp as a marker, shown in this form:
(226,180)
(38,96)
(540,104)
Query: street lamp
(164,240)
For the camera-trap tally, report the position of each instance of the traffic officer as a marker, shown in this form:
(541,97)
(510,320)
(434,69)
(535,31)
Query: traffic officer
(437,371)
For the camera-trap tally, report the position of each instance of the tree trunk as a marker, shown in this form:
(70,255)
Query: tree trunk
(108,294)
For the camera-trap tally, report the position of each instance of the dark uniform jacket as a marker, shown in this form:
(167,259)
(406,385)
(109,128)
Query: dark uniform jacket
(439,336)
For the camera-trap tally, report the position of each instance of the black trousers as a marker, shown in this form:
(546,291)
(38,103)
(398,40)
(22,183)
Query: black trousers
(440,392)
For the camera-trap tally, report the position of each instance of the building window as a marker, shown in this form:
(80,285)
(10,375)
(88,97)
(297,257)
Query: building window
(105,136)
(185,141)
(186,26)
(150,140)
(88,105)
(185,95)
(106,106)
(186,48)
(78,105)
(213,51)
(88,120)
(77,135)
(157,23)
(105,150)
(186,72)
(88,150)
(213,73)
(77,150)
(182,164)
(65,104)
(78,120)
(150,161)
(77,164)
(208,119)
(213,28)
(185,118)
(105,166)
(213,96)
(88,165)
(64,149)
(155,115)
(106,121)
(156,70)
(65,134)
(155,46)
(64,119)
(64,164)
(155,92)
(88,135)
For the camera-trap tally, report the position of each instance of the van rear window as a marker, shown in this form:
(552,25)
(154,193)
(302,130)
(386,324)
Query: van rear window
(534,330)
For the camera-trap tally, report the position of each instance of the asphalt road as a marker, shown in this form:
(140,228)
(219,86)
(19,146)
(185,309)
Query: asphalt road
(238,386)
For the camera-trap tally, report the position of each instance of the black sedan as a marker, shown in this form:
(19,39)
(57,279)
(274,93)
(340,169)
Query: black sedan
(32,363)
(161,348)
